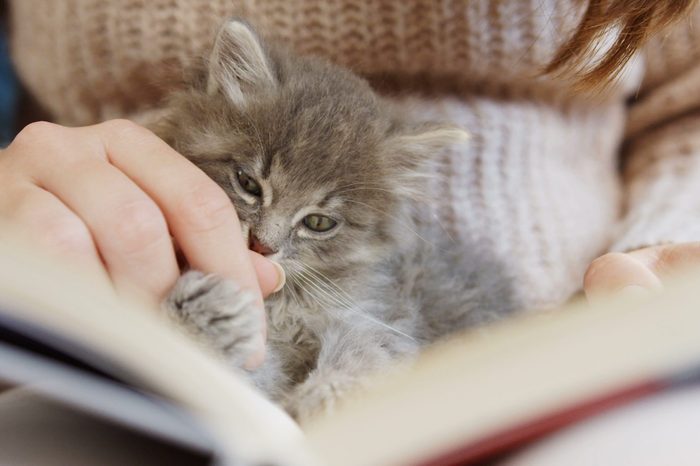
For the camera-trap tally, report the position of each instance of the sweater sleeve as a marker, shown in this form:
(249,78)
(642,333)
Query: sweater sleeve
(662,148)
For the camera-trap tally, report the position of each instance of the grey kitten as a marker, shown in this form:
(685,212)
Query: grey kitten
(326,179)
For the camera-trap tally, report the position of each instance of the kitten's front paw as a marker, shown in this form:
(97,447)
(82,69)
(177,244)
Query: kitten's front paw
(217,312)
(315,398)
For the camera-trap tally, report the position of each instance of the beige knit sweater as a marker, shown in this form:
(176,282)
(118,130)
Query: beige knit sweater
(539,182)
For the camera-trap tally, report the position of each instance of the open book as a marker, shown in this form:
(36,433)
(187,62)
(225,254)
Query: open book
(81,368)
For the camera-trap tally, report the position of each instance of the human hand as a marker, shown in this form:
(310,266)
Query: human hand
(638,272)
(110,196)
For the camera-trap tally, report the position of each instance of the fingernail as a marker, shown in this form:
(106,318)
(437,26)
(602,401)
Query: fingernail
(634,292)
(281,277)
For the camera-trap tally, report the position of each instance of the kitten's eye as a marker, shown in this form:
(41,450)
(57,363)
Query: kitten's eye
(248,184)
(319,223)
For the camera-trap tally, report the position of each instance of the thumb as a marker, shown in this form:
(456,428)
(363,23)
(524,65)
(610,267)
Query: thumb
(620,273)
(271,276)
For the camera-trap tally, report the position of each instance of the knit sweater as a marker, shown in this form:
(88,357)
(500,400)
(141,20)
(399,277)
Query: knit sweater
(540,181)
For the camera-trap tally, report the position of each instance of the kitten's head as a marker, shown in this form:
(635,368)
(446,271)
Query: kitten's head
(314,162)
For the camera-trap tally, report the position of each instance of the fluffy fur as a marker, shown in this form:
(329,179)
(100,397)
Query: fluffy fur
(317,140)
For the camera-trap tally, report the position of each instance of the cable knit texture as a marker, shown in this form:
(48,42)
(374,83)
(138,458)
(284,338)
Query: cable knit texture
(539,183)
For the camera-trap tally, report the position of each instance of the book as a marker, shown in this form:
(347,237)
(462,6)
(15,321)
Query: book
(66,337)
(485,394)
(114,377)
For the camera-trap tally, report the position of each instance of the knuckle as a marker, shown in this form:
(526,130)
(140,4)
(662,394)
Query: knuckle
(38,132)
(66,235)
(126,128)
(39,129)
(205,207)
(671,254)
(139,225)
(602,263)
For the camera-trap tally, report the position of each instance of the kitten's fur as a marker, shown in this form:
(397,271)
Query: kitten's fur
(318,140)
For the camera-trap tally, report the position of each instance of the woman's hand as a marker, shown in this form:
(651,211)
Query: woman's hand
(110,197)
(638,272)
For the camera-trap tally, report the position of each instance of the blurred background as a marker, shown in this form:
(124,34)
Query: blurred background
(10,93)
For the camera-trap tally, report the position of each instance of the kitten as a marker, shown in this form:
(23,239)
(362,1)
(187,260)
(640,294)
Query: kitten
(326,178)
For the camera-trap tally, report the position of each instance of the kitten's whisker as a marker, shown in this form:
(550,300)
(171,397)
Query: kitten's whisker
(330,283)
(337,290)
(292,291)
(303,278)
(307,291)
(383,324)
(401,222)
(306,269)
(333,300)
(326,283)
(436,217)
(350,305)
(331,289)
(321,299)
(367,187)
(343,191)
(360,183)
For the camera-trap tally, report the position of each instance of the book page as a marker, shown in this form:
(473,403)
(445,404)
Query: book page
(247,426)
(39,431)
(484,383)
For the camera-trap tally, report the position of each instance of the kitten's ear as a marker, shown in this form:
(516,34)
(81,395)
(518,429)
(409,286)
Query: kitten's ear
(415,153)
(239,65)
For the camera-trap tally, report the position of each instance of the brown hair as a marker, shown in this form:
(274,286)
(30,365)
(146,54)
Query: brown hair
(637,21)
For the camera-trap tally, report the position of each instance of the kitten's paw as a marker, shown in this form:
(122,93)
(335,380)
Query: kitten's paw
(316,398)
(216,312)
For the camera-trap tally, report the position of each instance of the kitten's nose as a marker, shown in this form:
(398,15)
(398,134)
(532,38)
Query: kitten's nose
(254,244)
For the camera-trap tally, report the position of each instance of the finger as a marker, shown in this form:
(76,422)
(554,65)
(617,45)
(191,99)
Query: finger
(270,274)
(128,228)
(615,272)
(199,213)
(272,278)
(669,259)
(52,226)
